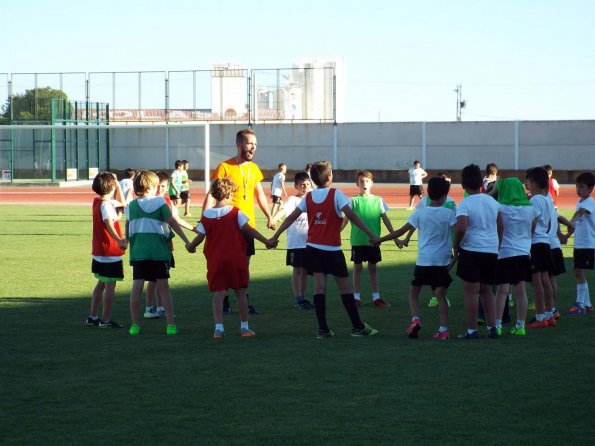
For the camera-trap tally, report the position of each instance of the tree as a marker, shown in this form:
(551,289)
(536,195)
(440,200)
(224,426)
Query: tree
(34,105)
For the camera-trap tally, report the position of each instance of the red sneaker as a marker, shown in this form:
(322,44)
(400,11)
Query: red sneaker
(552,322)
(589,309)
(381,303)
(413,328)
(439,335)
(537,324)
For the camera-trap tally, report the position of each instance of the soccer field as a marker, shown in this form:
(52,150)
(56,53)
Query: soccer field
(65,383)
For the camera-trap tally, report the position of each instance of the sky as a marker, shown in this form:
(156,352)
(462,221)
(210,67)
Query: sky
(402,60)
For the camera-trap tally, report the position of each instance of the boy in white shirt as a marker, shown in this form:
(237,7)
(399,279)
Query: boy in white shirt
(416,175)
(278,189)
(478,235)
(584,241)
(435,223)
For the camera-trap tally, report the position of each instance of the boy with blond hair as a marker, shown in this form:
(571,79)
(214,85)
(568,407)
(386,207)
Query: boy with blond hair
(148,229)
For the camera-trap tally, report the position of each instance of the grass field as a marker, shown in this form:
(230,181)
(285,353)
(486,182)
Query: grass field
(64,383)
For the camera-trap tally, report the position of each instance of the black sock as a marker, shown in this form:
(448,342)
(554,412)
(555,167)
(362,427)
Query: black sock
(320,308)
(349,304)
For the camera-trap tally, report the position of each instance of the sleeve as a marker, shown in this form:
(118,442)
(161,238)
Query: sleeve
(200,228)
(242,219)
(258,177)
(453,219)
(302,204)
(384,206)
(341,201)
(219,172)
(108,211)
(462,210)
(413,219)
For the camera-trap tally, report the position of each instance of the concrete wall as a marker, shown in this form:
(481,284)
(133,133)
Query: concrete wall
(567,145)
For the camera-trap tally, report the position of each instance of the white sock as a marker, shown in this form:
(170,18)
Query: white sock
(415,318)
(442,329)
(470,331)
(498,323)
(376,295)
(539,317)
(160,308)
(94,317)
(219,327)
(580,294)
(244,325)
(548,315)
(148,309)
(586,297)
(357,296)
(520,324)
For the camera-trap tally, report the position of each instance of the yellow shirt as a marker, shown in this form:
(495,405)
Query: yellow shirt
(246,177)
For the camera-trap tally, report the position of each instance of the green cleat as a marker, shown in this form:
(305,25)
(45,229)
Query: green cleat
(172,330)
(325,334)
(433,302)
(363,332)
(518,331)
(134,330)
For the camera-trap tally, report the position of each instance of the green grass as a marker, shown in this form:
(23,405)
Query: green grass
(64,383)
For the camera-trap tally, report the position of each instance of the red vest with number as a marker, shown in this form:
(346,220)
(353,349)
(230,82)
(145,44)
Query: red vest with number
(324,225)
(103,243)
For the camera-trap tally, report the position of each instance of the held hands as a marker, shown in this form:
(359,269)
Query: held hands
(123,244)
(191,249)
(401,243)
(272,243)
(374,241)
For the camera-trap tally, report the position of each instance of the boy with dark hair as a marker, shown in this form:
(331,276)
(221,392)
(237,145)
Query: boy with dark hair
(435,223)
(278,189)
(584,241)
(324,207)
(175,183)
(416,176)
(185,188)
(126,186)
(478,235)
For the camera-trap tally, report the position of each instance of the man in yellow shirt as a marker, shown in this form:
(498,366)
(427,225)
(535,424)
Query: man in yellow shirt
(247,176)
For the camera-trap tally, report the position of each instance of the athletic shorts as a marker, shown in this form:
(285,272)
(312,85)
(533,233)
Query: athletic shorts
(327,262)
(474,266)
(276,199)
(296,258)
(250,249)
(174,197)
(108,271)
(541,258)
(435,276)
(150,270)
(184,195)
(558,266)
(415,190)
(513,270)
(583,258)
(370,254)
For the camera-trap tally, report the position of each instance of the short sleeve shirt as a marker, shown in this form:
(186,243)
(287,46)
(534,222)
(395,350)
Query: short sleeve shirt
(434,226)
(482,230)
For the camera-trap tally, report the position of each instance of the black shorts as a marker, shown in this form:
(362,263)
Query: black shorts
(513,270)
(184,195)
(415,190)
(558,266)
(108,271)
(250,249)
(583,258)
(435,276)
(476,266)
(150,270)
(296,258)
(370,254)
(541,258)
(276,199)
(327,262)
(174,197)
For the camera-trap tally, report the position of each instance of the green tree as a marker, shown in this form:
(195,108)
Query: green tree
(33,105)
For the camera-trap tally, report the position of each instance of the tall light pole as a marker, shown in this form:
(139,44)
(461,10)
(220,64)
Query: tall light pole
(461,104)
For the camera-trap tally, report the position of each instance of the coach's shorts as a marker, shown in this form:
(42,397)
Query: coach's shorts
(476,266)
(558,266)
(583,258)
(275,199)
(108,271)
(296,258)
(326,262)
(150,270)
(415,190)
(513,270)
(541,258)
(370,254)
(184,195)
(435,276)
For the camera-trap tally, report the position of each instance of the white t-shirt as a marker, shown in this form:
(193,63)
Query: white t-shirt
(218,213)
(482,230)
(415,176)
(516,238)
(434,247)
(297,233)
(584,227)
(278,179)
(318,196)
(554,240)
(108,210)
(544,208)
(126,185)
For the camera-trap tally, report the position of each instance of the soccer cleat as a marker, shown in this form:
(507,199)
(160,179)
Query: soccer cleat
(90,322)
(433,302)
(358,302)
(218,334)
(325,334)
(551,322)
(247,333)
(151,314)
(363,332)
(556,315)
(413,329)
(466,336)
(499,330)
(576,309)
(252,310)
(531,306)
(588,309)
(492,333)
(109,324)
(134,330)
(441,335)
(537,324)
(172,330)
(516,331)
(303,305)
(381,303)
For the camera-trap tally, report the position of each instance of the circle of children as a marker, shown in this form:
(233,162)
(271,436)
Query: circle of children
(502,234)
